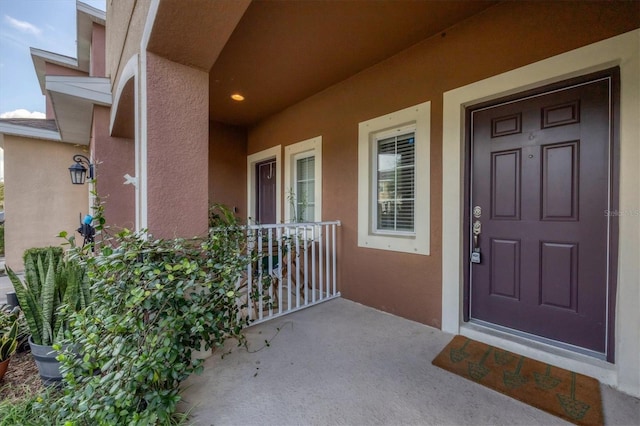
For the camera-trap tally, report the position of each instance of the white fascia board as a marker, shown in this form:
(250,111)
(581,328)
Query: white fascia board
(96,90)
(41,57)
(65,61)
(29,132)
(96,15)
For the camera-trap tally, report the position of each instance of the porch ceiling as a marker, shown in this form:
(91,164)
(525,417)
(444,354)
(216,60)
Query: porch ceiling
(282,52)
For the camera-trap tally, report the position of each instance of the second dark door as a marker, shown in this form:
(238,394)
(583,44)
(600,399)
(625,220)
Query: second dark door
(266,192)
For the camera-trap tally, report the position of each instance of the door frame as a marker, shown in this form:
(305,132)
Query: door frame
(623,51)
(252,160)
(612,195)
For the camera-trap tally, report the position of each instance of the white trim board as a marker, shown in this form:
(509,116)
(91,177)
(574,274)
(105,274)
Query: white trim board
(95,90)
(622,51)
(420,242)
(310,145)
(141,120)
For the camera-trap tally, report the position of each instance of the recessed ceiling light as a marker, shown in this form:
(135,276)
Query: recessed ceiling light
(237,97)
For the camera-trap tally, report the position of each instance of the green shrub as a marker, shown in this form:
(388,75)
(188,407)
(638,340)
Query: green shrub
(156,302)
(2,239)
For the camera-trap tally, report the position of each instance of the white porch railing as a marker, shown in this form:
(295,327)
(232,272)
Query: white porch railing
(295,269)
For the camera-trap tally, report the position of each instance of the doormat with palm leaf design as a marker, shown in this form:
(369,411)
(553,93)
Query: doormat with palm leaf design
(563,393)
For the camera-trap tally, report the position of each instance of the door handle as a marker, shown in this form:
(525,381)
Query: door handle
(477,230)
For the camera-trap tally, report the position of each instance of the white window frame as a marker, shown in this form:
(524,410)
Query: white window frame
(416,242)
(375,137)
(306,148)
(252,160)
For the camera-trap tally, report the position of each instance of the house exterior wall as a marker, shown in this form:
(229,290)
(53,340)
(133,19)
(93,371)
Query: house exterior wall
(41,201)
(507,36)
(98,54)
(114,157)
(227,166)
(177,135)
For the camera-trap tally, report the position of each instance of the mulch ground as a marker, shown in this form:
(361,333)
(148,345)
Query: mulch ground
(21,380)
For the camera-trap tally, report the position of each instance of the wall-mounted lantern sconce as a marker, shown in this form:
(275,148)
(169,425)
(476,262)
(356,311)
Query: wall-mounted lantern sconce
(78,171)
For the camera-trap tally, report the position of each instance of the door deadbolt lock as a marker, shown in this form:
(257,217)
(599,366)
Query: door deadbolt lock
(477,212)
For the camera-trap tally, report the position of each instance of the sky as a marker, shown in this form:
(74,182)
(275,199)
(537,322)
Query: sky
(44,24)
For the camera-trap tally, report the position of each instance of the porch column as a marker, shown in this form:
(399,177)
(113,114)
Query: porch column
(176,120)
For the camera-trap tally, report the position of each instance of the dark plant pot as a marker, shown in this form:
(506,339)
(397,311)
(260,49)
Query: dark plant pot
(3,367)
(12,299)
(48,365)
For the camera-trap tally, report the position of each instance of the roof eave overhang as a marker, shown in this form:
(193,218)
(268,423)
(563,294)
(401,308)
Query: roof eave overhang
(73,99)
(42,57)
(86,16)
(29,132)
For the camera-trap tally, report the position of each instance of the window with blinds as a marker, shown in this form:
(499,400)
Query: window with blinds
(305,184)
(393,181)
(395,175)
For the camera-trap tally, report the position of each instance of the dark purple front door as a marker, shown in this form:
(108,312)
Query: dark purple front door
(540,170)
(266,192)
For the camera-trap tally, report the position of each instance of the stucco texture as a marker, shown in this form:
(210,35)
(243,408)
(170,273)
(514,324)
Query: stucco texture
(502,38)
(114,157)
(178,148)
(227,167)
(40,200)
(98,52)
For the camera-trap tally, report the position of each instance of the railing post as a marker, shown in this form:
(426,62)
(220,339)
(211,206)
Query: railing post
(333,235)
(270,243)
(250,246)
(280,266)
(321,263)
(296,234)
(313,263)
(328,261)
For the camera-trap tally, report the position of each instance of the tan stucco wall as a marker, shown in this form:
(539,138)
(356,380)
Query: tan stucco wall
(227,166)
(114,157)
(40,200)
(502,38)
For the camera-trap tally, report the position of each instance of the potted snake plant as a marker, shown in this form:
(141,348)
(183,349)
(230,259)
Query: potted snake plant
(52,288)
(8,345)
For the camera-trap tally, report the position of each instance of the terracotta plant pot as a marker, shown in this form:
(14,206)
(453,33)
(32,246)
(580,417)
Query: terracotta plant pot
(3,367)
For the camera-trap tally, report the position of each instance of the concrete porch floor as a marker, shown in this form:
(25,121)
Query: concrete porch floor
(341,363)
